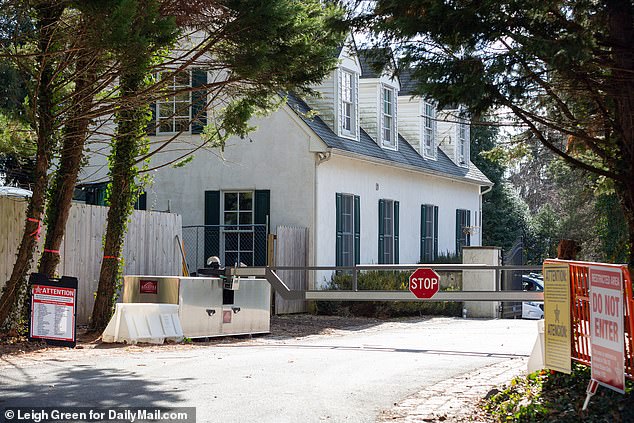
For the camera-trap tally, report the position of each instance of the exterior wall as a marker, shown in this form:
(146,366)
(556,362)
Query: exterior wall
(325,103)
(274,157)
(369,107)
(410,120)
(447,134)
(411,189)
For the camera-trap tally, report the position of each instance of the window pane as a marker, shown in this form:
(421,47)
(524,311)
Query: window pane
(181,78)
(166,127)
(182,97)
(246,218)
(246,201)
(231,218)
(181,125)
(165,110)
(231,201)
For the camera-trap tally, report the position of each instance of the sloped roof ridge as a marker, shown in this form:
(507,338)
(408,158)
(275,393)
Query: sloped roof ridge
(367,146)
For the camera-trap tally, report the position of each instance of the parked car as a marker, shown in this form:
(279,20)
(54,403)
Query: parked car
(533,309)
(6,191)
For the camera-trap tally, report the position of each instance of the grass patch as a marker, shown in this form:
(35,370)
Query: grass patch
(546,396)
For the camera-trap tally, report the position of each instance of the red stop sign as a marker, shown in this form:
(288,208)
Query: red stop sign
(424,283)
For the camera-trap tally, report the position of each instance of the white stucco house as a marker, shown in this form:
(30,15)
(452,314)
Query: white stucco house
(365,167)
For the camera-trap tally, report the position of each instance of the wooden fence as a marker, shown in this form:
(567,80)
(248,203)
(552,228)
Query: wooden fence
(291,249)
(151,246)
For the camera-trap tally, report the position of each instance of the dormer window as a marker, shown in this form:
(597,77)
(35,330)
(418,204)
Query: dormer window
(388,118)
(346,101)
(462,142)
(348,95)
(429,130)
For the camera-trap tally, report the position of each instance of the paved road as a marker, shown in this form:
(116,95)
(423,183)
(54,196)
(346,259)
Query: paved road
(347,376)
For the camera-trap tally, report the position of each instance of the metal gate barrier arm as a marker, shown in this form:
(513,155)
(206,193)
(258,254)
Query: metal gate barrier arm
(269,273)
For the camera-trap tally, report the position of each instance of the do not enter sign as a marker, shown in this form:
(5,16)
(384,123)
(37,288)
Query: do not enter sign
(424,283)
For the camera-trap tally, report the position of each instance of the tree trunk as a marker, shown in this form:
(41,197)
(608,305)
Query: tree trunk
(130,134)
(13,295)
(567,249)
(63,186)
(621,30)
(626,197)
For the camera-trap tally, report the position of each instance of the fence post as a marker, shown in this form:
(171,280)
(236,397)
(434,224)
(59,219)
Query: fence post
(354,278)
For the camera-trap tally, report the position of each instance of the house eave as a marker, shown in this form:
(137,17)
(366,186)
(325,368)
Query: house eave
(415,169)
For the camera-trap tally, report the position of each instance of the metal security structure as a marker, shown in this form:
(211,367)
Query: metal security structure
(355,294)
(580,304)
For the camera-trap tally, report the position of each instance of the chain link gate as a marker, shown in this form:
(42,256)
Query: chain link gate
(232,244)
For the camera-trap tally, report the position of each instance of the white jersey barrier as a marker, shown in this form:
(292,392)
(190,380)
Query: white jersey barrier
(143,322)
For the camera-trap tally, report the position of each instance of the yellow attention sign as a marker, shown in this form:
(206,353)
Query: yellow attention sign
(557,335)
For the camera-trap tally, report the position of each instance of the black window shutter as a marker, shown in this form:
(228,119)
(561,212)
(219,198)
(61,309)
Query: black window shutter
(212,222)
(423,233)
(262,211)
(435,233)
(338,246)
(199,100)
(357,229)
(381,233)
(458,231)
(396,252)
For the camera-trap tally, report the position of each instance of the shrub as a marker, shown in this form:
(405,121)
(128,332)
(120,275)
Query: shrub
(382,281)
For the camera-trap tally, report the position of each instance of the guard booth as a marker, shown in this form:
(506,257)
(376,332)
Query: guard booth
(208,306)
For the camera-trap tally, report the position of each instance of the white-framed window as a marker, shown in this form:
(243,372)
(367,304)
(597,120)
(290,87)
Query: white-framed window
(463,142)
(429,130)
(388,117)
(173,112)
(348,103)
(238,235)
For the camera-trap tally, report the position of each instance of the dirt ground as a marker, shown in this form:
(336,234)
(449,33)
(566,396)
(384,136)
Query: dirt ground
(282,327)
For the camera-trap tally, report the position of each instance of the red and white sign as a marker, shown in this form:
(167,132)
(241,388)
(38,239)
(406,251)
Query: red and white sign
(148,287)
(606,327)
(424,283)
(53,312)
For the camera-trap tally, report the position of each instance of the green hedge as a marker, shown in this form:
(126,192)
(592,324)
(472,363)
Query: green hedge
(382,281)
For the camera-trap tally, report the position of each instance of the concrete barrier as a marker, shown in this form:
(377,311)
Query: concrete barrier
(536,359)
(144,322)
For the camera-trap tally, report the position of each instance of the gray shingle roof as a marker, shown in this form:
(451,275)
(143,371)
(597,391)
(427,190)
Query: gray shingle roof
(373,61)
(405,156)
(408,85)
